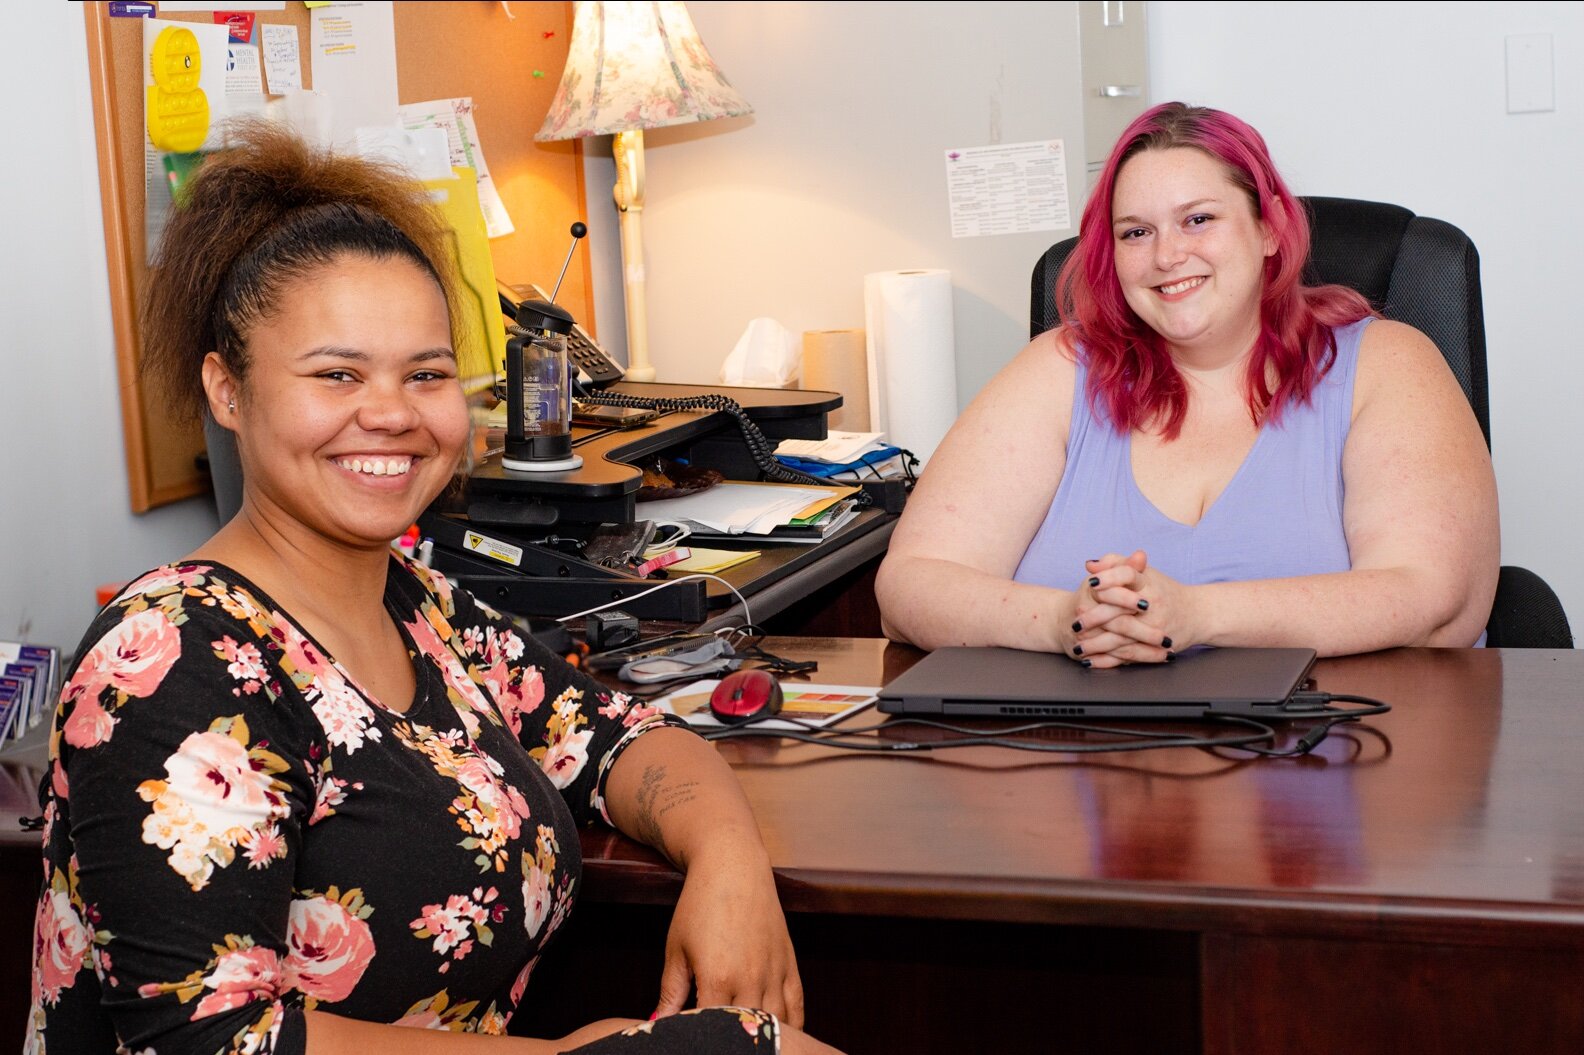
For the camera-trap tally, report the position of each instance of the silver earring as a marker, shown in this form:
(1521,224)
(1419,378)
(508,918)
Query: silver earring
(231,406)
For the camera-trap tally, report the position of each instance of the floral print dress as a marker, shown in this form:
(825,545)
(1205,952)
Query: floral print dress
(235,832)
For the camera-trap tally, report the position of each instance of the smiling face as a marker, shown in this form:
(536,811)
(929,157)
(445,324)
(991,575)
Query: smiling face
(350,419)
(1190,251)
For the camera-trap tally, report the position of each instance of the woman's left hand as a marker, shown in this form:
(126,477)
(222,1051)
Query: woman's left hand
(1158,618)
(729,939)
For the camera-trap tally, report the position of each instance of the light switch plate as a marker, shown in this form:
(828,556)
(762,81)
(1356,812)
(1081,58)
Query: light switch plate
(1531,78)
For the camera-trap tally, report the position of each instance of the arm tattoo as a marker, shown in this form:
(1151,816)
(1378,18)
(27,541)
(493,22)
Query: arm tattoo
(655,800)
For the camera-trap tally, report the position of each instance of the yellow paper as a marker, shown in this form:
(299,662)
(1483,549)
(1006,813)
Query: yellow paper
(484,326)
(713,560)
(819,506)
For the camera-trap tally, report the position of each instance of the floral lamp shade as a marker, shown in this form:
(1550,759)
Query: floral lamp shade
(636,65)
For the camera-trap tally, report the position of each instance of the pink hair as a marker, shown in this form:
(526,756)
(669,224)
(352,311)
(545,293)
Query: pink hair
(1131,374)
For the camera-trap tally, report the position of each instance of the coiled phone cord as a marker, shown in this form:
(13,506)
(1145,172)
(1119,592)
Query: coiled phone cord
(760,447)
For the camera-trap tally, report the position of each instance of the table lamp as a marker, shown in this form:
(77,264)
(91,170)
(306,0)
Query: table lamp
(633,66)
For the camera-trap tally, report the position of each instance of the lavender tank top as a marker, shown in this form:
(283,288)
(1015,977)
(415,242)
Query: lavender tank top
(1280,516)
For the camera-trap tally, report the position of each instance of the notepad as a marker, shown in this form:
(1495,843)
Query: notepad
(807,705)
(714,560)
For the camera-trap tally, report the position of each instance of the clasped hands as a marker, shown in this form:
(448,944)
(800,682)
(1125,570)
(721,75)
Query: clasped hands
(1124,611)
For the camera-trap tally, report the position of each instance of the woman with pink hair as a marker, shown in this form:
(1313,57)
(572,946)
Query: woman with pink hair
(1207,451)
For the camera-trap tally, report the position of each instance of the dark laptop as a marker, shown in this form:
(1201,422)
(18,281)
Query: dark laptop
(1007,683)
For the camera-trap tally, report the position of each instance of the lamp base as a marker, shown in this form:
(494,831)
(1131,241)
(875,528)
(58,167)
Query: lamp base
(638,373)
(556,465)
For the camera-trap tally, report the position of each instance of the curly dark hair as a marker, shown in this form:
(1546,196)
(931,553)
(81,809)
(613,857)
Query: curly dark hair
(265,210)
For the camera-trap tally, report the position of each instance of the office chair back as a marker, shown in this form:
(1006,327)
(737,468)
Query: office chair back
(1422,272)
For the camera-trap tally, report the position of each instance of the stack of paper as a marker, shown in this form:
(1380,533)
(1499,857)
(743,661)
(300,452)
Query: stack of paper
(837,448)
(744,508)
(843,455)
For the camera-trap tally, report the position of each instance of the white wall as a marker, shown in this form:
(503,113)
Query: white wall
(64,502)
(1406,103)
(840,172)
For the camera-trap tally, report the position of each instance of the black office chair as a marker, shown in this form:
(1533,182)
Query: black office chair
(1422,272)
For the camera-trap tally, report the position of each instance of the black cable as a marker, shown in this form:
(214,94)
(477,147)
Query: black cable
(1310,705)
(760,448)
(1318,705)
(1146,740)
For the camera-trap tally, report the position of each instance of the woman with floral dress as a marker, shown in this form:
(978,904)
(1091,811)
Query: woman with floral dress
(301,791)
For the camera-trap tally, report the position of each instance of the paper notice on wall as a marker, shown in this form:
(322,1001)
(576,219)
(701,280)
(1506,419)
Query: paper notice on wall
(455,117)
(1008,189)
(352,49)
(244,76)
(282,59)
(212,62)
(222,5)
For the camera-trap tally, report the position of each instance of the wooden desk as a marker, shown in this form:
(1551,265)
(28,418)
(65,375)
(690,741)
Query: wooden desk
(1417,885)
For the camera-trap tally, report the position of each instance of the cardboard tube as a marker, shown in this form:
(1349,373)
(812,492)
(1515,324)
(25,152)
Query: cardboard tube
(835,361)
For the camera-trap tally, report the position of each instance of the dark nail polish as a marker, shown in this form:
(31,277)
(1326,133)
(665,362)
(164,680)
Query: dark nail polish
(1095,581)
(1077,626)
(1165,642)
(1077,650)
(1086,662)
(1143,605)
(1171,656)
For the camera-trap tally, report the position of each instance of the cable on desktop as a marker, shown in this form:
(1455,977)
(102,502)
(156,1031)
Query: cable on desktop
(747,616)
(859,738)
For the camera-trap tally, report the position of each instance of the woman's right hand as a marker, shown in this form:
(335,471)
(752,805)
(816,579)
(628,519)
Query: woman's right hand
(1112,591)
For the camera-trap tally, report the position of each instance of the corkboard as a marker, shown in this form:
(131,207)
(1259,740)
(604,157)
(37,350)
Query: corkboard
(442,50)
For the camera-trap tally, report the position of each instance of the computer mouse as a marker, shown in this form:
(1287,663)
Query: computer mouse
(744,695)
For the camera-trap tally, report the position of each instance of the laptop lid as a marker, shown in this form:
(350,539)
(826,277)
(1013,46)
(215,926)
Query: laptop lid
(1008,683)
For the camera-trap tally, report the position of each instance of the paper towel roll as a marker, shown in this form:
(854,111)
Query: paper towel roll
(836,361)
(912,357)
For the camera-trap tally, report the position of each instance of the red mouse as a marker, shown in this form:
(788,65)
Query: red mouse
(744,695)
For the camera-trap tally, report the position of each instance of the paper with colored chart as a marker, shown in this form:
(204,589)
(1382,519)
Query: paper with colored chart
(455,118)
(813,706)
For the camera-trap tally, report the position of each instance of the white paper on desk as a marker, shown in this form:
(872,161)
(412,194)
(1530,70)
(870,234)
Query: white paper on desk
(352,48)
(837,448)
(455,117)
(816,705)
(282,59)
(736,509)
